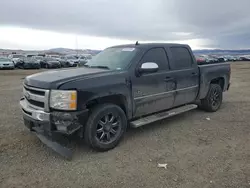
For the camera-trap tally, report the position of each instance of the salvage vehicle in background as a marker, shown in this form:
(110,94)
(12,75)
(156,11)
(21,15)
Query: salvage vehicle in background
(221,59)
(39,58)
(49,62)
(72,60)
(87,56)
(82,60)
(6,63)
(57,57)
(28,63)
(64,62)
(127,85)
(245,58)
(200,60)
(15,57)
(230,58)
(206,59)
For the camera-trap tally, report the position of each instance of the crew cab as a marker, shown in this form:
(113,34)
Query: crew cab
(125,85)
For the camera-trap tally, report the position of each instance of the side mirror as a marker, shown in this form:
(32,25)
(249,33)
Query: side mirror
(148,67)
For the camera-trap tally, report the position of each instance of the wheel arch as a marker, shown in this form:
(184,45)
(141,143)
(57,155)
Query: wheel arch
(117,99)
(220,81)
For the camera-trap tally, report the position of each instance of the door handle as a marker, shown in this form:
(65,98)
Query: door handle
(194,73)
(169,79)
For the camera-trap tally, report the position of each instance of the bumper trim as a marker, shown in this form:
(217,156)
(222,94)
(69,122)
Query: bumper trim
(63,151)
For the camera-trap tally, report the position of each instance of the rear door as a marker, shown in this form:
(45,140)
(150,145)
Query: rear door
(153,92)
(186,74)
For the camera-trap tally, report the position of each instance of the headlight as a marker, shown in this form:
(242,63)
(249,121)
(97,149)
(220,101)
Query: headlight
(63,99)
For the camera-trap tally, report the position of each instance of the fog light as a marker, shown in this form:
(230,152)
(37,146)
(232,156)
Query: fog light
(41,116)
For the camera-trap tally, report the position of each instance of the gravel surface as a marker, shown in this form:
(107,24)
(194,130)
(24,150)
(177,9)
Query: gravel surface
(200,149)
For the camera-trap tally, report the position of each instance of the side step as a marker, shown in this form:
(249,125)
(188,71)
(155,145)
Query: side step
(162,115)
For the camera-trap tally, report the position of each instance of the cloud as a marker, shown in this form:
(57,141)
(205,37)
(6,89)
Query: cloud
(223,23)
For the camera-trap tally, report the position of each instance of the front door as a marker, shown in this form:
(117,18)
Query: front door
(153,92)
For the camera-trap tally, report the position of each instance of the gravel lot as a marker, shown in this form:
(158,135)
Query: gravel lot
(198,152)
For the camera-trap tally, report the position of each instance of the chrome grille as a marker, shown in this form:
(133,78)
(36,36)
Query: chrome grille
(36,98)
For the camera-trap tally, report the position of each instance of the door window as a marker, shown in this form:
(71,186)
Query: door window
(158,56)
(181,58)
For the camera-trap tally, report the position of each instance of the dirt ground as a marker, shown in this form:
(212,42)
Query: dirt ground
(199,153)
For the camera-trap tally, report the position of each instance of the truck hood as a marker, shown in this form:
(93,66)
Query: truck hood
(53,79)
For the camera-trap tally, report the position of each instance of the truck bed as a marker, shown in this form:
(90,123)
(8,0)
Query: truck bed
(211,71)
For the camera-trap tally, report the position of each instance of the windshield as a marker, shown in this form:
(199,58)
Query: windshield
(18,56)
(38,57)
(71,57)
(113,58)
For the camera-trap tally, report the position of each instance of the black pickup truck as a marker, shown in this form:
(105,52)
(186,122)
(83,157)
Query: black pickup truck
(126,85)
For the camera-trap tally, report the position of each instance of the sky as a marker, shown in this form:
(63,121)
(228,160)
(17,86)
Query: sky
(97,24)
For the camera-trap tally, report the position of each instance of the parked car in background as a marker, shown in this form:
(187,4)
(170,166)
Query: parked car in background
(230,58)
(55,56)
(206,59)
(64,62)
(238,58)
(87,56)
(39,58)
(69,61)
(212,59)
(49,62)
(28,63)
(82,60)
(15,57)
(6,63)
(245,58)
(221,59)
(200,60)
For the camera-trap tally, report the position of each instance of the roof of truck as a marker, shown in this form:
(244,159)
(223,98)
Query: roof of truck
(150,45)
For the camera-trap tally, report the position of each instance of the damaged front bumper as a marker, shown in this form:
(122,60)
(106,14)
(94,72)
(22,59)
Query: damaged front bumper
(52,127)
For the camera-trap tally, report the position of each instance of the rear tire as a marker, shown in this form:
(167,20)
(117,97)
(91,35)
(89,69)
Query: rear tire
(105,127)
(213,100)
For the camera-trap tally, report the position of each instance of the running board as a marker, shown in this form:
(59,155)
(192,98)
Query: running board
(162,115)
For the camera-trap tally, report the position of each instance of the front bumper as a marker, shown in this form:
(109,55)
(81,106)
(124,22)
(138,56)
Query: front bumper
(7,67)
(52,127)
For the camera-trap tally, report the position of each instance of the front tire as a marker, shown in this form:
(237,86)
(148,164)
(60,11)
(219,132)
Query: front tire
(105,127)
(213,100)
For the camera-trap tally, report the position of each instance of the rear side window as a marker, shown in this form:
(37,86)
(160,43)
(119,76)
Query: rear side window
(156,55)
(181,57)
